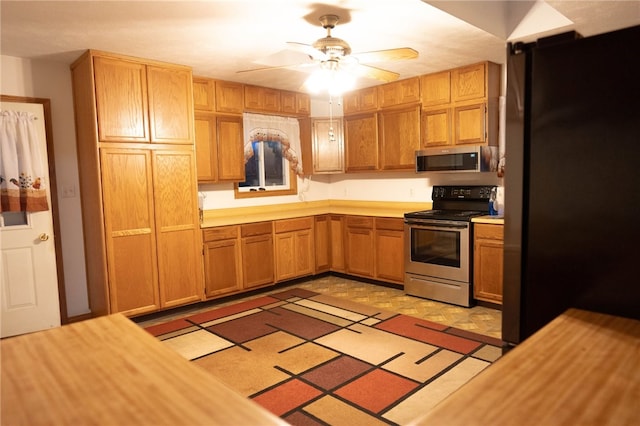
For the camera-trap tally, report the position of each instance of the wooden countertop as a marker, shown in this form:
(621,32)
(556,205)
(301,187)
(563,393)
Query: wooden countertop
(495,220)
(108,371)
(583,368)
(235,216)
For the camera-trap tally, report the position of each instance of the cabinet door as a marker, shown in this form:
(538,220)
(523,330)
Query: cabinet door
(121,100)
(204,98)
(488,262)
(361,142)
(399,92)
(436,89)
(230,148)
(229,97)
(336,238)
(399,138)
(178,232)
(435,127)
(288,102)
(285,252)
(257,260)
(170,105)
(470,124)
(303,104)
(328,146)
(359,245)
(390,255)
(206,147)
(468,82)
(322,226)
(130,236)
(223,267)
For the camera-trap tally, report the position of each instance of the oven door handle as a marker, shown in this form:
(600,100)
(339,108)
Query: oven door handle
(441,224)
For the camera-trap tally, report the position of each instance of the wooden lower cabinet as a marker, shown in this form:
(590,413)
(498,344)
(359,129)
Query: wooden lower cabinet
(336,239)
(389,244)
(488,262)
(294,248)
(322,230)
(359,245)
(257,254)
(222,260)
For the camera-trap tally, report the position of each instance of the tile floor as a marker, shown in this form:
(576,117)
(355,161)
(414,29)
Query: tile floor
(478,319)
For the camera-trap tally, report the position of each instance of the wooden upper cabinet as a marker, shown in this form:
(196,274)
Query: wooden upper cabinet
(206,147)
(468,82)
(436,89)
(399,93)
(204,94)
(143,103)
(470,124)
(328,145)
(399,131)
(230,148)
(170,104)
(261,99)
(362,100)
(229,97)
(435,127)
(295,103)
(361,142)
(121,100)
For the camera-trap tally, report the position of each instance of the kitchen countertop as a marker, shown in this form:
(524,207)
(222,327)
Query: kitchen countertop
(240,215)
(495,220)
(109,371)
(581,369)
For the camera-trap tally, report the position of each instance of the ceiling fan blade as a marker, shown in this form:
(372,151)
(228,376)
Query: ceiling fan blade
(375,73)
(386,55)
(308,49)
(289,66)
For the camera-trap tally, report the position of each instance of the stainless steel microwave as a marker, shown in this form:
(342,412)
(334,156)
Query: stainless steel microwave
(473,158)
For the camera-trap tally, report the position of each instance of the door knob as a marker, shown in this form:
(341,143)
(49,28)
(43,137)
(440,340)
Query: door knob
(43,237)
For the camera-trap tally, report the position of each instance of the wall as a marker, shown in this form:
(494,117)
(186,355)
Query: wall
(52,80)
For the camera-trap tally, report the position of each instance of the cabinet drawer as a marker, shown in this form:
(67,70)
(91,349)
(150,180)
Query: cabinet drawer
(259,228)
(360,222)
(289,225)
(221,233)
(390,223)
(491,232)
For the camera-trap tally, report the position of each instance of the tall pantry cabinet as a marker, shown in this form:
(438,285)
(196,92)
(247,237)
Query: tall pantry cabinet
(135,142)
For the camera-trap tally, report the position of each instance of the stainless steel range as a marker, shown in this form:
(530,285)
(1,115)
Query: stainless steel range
(438,244)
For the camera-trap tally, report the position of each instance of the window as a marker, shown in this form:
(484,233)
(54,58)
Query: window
(271,156)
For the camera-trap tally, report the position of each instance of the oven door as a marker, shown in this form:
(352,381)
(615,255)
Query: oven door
(437,248)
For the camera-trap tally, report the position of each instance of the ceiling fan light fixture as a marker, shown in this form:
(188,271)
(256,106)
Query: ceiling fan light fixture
(330,78)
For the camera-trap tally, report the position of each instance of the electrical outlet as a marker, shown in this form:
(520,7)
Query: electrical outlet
(68,191)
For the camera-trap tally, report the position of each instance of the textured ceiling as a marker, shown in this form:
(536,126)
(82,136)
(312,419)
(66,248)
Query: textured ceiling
(217,38)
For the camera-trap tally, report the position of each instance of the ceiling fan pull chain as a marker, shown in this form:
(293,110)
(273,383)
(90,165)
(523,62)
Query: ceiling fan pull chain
(332,136)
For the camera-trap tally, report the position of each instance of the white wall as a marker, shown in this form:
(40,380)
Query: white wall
(52,80)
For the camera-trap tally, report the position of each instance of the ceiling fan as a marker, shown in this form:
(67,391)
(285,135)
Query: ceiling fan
(332,54)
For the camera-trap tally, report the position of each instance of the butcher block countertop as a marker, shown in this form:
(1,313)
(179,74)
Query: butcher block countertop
(108,371)
(583,368)
(235,216)
(495,220)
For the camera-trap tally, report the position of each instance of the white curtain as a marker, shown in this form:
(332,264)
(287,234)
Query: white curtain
(285,130)
(22,174)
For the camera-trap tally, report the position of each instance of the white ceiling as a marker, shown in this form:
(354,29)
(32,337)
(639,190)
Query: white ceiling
(217,38)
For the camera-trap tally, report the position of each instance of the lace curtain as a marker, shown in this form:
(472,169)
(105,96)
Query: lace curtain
(22,174)
(285,130)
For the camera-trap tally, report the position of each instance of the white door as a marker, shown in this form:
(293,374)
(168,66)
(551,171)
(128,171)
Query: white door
(28,273)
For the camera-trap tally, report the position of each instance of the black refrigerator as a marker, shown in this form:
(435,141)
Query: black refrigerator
(572,179)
